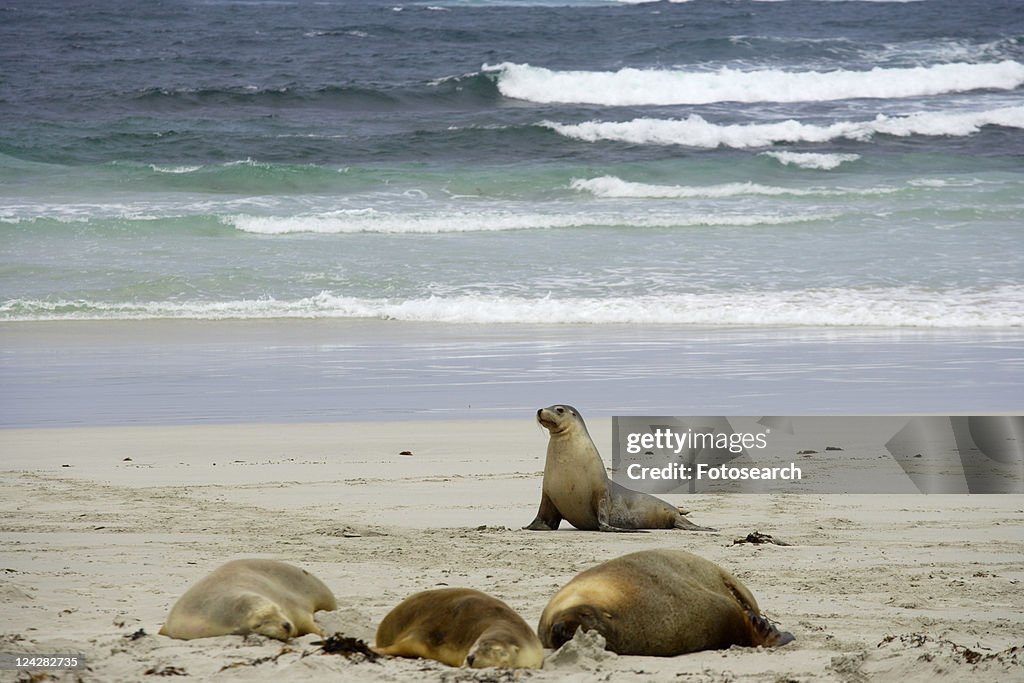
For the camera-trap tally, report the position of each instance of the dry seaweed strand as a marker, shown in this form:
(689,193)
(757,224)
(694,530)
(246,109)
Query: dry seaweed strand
(353,648)
(757,538)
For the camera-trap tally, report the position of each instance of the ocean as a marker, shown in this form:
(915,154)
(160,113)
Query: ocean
(706,162)
(656,167)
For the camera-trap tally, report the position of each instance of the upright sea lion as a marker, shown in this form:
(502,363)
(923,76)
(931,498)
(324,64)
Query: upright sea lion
(659,603)
(459,626)
(268,597)
(576,486)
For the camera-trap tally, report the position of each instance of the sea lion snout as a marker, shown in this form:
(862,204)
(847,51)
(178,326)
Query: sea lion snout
(553,418)
(562,632)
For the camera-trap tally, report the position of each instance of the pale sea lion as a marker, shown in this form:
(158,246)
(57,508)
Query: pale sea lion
(658,603)
(576,486)
(459,626)
(268,597)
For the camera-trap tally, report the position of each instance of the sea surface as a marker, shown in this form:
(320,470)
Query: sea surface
(716,162)
(262,211)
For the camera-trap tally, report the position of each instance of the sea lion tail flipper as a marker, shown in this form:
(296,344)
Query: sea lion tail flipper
(683,523)
(765,632)
(407,646)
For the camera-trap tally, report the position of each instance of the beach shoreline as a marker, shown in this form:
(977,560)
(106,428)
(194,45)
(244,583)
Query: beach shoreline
(159,372)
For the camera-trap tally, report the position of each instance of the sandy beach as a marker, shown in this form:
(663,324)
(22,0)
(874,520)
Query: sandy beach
(103,528)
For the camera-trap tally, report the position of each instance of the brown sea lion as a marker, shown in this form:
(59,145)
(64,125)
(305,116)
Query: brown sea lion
(658,603)
(268,597)
(459,626)
(576,486)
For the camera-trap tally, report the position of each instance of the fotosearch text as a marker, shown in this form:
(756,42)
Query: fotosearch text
(703,471)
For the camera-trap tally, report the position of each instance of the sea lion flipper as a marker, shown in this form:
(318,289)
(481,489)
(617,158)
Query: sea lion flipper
(683,523)
(548,518)
(405,647)
(765,632)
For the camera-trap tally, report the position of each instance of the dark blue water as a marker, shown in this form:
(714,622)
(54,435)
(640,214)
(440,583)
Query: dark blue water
(200,82)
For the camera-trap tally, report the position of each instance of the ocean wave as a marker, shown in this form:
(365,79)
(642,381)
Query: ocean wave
(642,87)
(695,131)
(812,160)
(373,221)
(614,187)
(879,307)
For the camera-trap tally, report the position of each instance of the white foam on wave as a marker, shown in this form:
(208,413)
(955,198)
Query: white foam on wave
(639,87)
(812,160)
(372,221)
(81,213)
(617,188)
(695,131)
(175,170)
(879,307)
(150,209)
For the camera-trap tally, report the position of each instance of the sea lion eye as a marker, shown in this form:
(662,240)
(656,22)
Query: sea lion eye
(559,410)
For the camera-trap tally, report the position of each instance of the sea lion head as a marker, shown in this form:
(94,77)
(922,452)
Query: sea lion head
(559,419)
(506,647)
(487,652)
(586,617)
(267,619)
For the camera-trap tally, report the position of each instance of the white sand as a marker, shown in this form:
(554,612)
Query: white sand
(883,587)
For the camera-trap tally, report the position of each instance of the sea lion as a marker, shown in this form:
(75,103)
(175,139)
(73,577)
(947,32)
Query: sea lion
(576,486)
(459,626)
(658,603)
(268,597)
